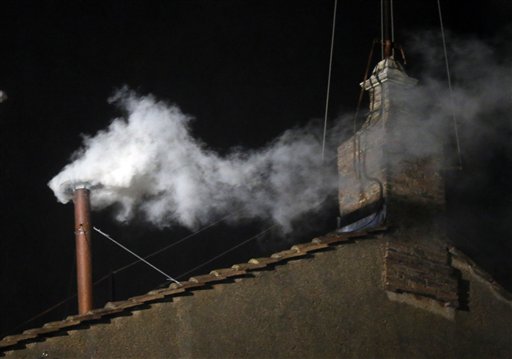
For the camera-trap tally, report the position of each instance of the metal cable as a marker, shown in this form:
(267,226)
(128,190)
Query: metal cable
(105,277)
(135,255)
(329,78)
(455,126)
(235,247)
(172,244)
(227,251)
(55,306)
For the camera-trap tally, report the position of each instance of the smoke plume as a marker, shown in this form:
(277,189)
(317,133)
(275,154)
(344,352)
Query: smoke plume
(149,165)
(475,112)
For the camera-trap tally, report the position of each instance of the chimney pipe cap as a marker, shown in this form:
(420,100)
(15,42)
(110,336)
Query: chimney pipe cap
(81,185)
(71,186)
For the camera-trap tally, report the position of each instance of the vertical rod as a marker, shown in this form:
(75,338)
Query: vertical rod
(83,249)
(387,31)
(382,29)
(392,21)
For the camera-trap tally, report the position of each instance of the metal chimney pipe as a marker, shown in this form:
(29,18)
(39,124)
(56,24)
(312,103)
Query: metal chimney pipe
(83,249)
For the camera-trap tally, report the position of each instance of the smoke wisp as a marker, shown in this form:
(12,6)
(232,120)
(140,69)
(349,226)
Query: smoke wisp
(149,165)
(481,97)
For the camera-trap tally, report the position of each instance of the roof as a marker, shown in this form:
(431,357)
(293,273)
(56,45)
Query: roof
(221,276)
(199,282)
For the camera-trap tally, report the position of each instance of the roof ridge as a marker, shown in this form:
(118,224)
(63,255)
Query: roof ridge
(118,308)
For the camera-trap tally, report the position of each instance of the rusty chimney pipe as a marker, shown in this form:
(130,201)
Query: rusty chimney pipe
(83,249)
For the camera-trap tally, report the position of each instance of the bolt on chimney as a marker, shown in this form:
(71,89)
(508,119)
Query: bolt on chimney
(83,248)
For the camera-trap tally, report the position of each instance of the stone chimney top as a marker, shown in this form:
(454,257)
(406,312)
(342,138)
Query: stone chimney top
(388,70)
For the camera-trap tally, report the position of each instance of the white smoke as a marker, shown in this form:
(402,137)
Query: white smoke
(149,164)
(151,167)
(481,98)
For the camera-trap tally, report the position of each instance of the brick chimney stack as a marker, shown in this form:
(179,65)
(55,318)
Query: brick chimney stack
(384,178)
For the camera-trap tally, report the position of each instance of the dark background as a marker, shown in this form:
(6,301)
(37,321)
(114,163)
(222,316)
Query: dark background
(246,70)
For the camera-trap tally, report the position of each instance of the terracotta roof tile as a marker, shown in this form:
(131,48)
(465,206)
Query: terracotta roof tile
(29,334)
(310,247)
(264,260)
(9,342)
(149,297)
(288,254)
(206,278)
(104,312)
(123,304)
(40,331)
(228,272)
(85,317)
(95,314)
(332,238)
(61,324)
(167,291)
(15,339)
(248,266)
(186,285)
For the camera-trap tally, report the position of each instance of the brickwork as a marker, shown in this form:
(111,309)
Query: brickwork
(393,157)
(421,269)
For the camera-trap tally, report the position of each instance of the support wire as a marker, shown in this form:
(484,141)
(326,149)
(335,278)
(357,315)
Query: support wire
(55,306)
(329,78)
(227,251)
(171,245)
(136,255)
(105,277)
(455,126)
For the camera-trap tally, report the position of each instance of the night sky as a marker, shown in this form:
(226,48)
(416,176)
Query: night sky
(246,71)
